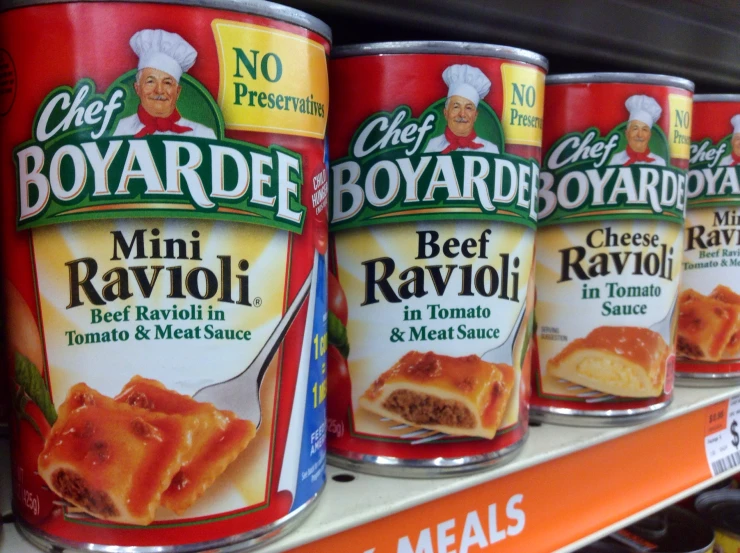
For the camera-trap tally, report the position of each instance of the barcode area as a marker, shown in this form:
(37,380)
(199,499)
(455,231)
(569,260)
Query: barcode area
(726,463)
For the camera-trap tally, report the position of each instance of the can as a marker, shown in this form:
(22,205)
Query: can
(672,530)
(434,150)
(689,502)
(721,509)
(708,346)
(164,241)
(609,245)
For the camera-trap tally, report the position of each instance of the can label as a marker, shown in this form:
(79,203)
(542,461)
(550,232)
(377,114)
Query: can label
(709,304)
(726,542)
(611,209)
(433,216)
(164,262)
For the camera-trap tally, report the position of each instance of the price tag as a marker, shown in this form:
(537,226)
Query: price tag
(722,440)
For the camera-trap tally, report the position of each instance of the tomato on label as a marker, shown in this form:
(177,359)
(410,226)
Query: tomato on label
(339,385)
(321,233)
(337,299)
(33,411)
(283,502)
(670,373)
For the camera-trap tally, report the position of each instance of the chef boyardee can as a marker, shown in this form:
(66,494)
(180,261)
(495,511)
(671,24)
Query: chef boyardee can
(672,530)
(721,509)
(164,240)
(435,152)
(609,245)
(708,346)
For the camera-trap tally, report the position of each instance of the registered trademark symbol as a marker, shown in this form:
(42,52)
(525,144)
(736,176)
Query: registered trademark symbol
(257,302)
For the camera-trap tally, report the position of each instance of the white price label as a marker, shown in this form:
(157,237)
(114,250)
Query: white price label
(723,443)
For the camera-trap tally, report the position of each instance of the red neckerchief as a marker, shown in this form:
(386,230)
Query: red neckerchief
(735,159)
(162,124)
(635,157)
(460,141)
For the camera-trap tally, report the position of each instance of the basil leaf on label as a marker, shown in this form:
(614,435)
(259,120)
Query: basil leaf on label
(29,379)
(338,335)
(19,402)
(527,339)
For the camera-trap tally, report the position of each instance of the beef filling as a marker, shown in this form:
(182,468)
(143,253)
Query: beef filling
(690,350)
(73,487)
(423,409)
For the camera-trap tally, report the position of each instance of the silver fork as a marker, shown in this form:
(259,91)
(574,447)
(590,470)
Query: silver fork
(241,394)
(663,327)
(590,395)
(417,435)
(505,352)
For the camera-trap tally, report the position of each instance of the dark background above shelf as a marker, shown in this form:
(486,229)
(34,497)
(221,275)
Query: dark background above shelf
(696,39)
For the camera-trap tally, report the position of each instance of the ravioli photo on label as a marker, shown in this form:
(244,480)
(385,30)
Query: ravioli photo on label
(609,244)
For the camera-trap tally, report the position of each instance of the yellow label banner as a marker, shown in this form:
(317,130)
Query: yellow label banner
(524,100)
(271,80)
(679,139)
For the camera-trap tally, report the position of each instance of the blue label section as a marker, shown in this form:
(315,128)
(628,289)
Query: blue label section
(312,465)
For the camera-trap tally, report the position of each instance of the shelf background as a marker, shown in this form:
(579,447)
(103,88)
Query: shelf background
(696,39)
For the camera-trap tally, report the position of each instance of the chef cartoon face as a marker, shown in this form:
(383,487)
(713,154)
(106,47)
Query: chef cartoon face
(163,58)
(736,144)
(461,114)
(466,86)
(158,91)
(644,112)
(638,135)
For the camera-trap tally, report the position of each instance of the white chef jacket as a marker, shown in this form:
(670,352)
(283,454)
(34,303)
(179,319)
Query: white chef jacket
(726,161)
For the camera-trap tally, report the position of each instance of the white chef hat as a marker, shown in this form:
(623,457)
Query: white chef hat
(644,109)
(466,81)
(735,122)
(168,52)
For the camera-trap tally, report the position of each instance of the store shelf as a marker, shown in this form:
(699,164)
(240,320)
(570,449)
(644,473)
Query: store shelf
(697,39)
(577,484)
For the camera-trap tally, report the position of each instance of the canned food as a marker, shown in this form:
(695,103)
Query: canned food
(672,530)
(609,244)
(435,154)
(164,237)
(688,502)
(721,509)
(709,305)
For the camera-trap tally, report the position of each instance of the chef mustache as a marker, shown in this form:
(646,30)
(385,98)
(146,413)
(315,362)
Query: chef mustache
(158,97)
(461,120)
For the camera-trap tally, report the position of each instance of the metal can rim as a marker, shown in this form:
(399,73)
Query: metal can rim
(627,78)
(684,521)
(705,501)
(442,47)
(717,98)
(262,8)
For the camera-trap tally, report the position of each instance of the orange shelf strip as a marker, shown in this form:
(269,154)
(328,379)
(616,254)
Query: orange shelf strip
(548,506)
